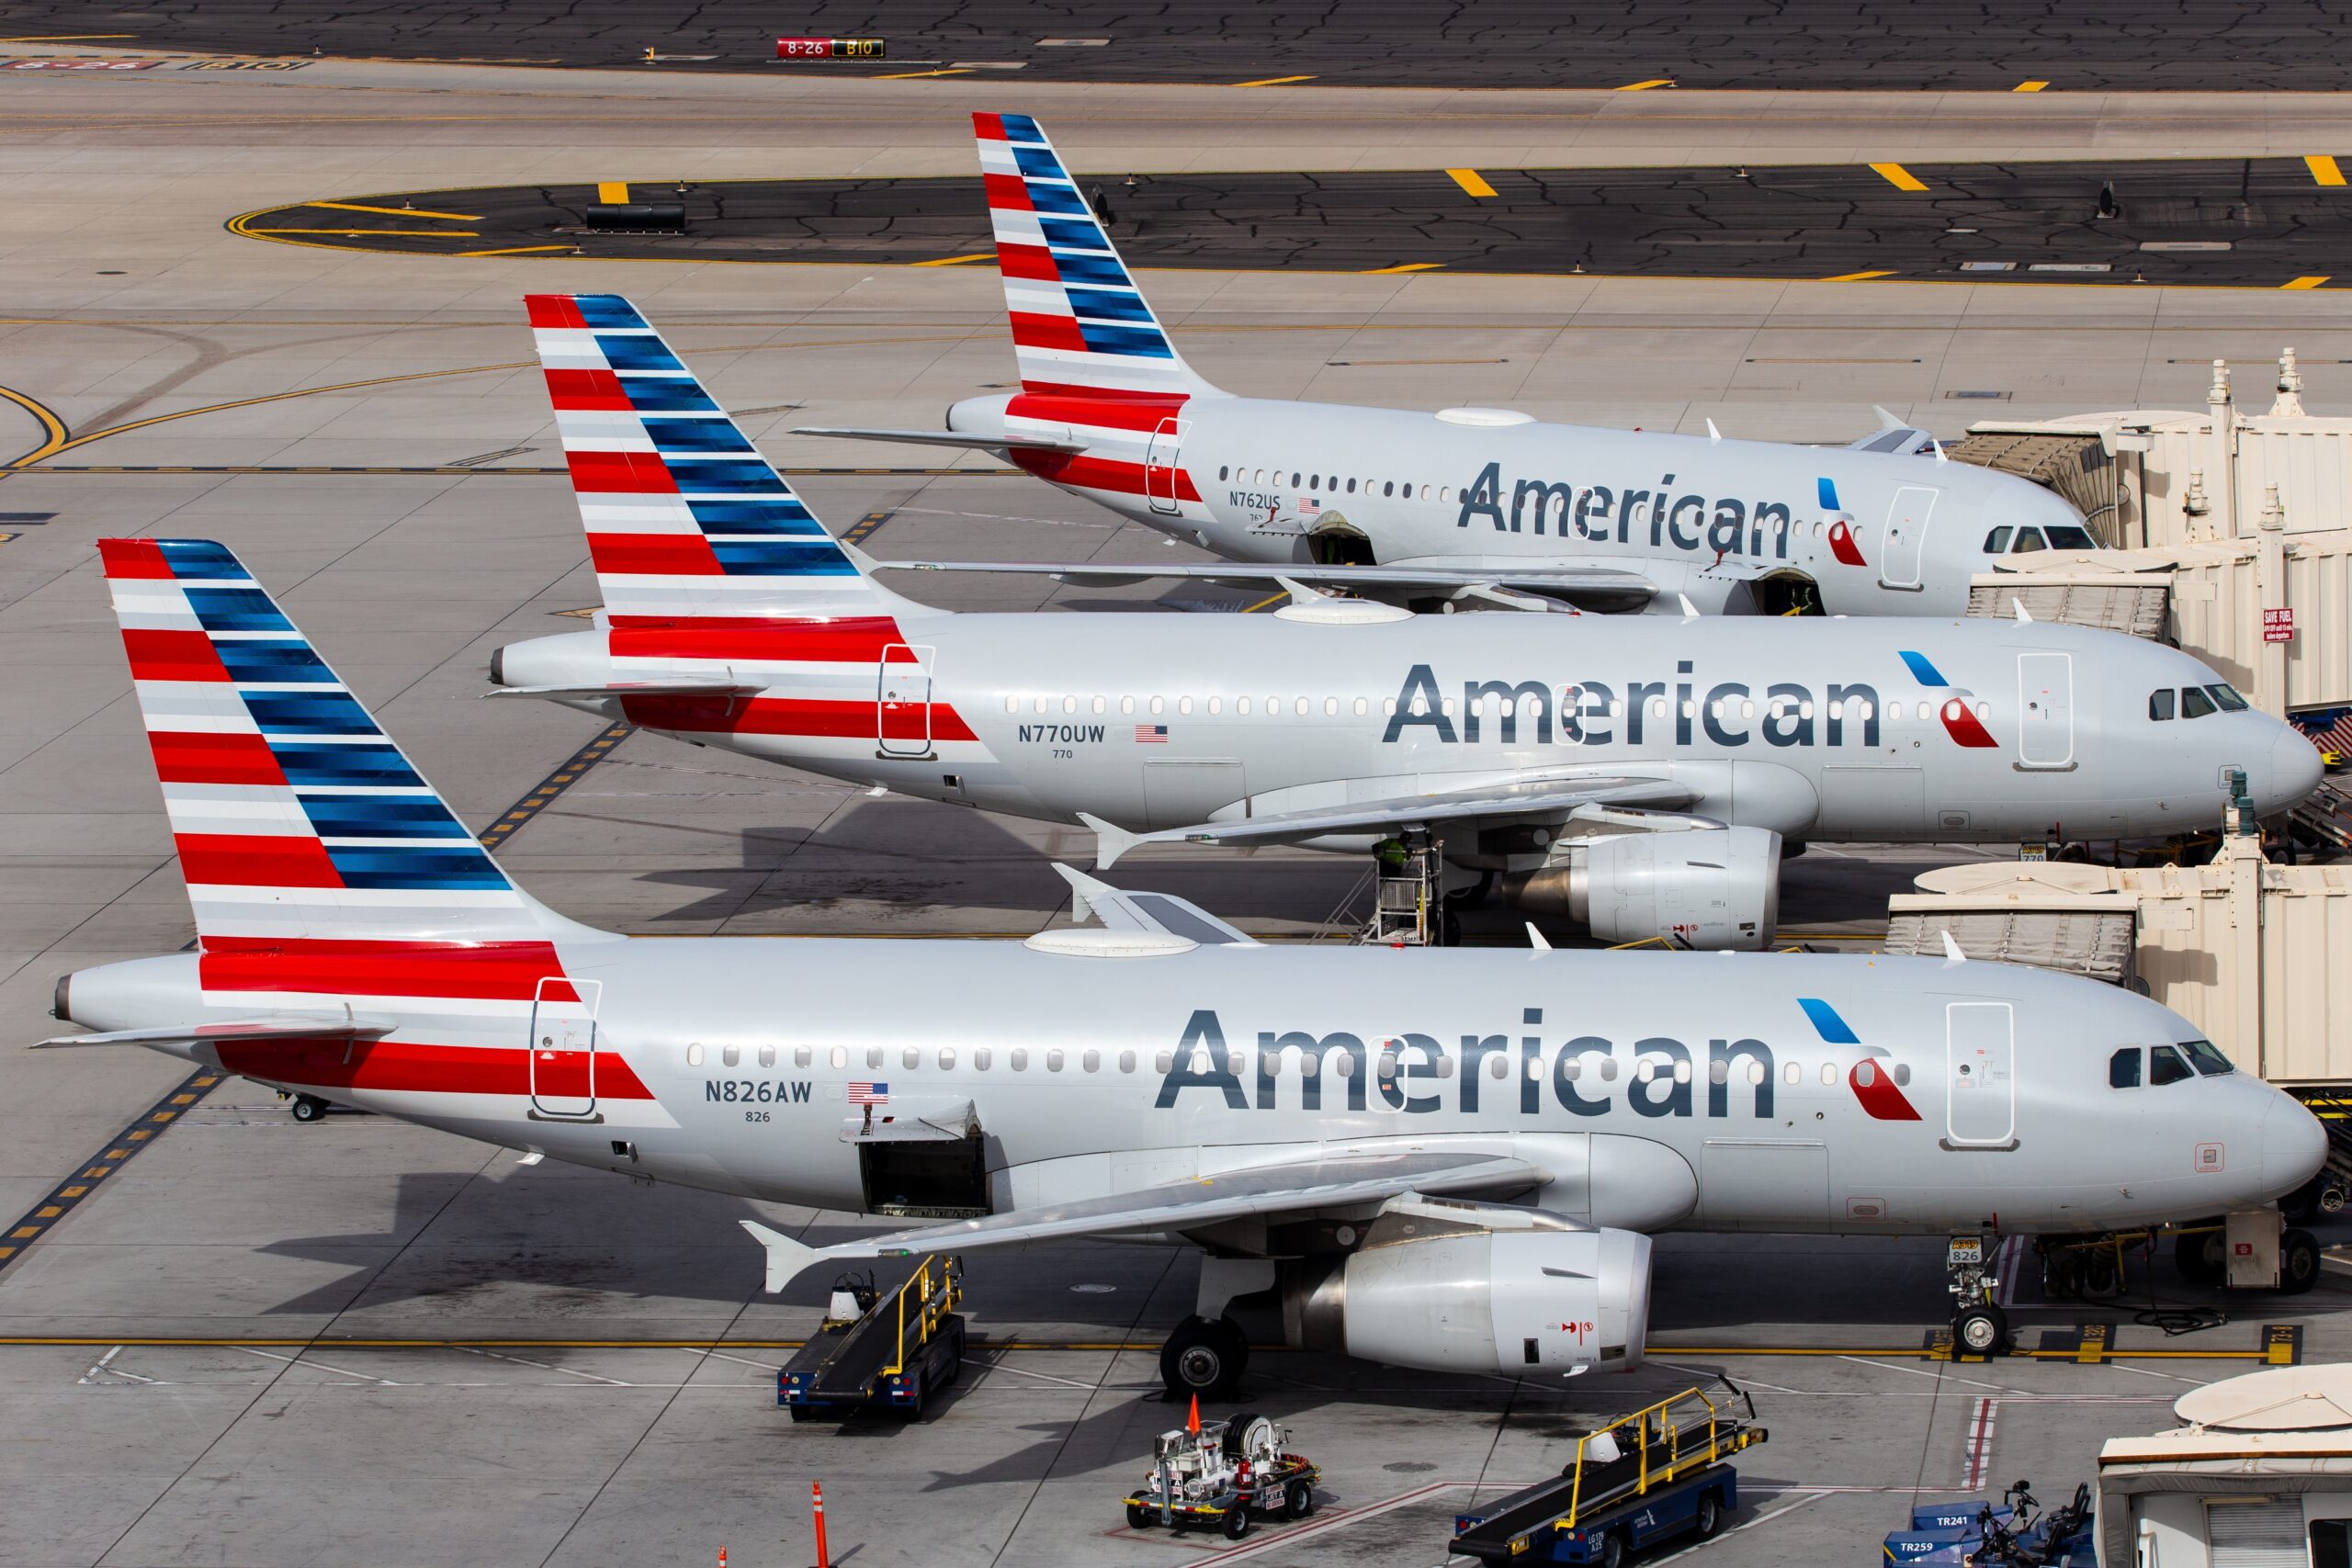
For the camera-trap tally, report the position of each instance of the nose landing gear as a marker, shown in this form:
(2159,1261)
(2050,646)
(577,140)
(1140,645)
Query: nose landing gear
(1979,1328)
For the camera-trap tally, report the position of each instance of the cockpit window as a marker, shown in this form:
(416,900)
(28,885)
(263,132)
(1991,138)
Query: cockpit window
(2167,1065)
(2160,704)
(2066,536)
(2227,695)
(2195,703)
(2029,541)
(1997,541)
(2207,1058)
(2124,1068)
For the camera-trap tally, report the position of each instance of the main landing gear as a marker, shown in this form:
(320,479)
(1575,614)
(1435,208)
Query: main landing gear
(1979,1328)
(1204,1357)
(308,1108)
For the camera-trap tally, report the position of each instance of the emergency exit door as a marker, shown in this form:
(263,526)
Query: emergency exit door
(1159,466)
(1906,535)
(564,1048)
(902,701)
(1980,1075)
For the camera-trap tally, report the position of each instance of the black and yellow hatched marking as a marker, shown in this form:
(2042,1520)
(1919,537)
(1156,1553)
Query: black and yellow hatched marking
(119,1151)
(544,793)
(863,529)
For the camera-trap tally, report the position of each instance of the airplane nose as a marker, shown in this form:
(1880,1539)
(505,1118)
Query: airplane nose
(2294,1145)
(2294,769)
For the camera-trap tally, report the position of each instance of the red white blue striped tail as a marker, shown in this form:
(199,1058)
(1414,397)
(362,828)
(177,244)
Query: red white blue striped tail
(686,521)
(1081,327)
(296,817)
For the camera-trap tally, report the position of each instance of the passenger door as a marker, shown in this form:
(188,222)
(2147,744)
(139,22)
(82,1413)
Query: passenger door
(564,1048)
(2045,710)
(1159,466)
(902,701)
(1980,1076)
(1907,534)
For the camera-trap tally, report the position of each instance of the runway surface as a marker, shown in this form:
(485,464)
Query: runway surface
(2198,45)
(2247,222)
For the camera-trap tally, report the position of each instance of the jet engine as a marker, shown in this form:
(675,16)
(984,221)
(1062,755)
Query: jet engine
(1705,887)
(1450,1286)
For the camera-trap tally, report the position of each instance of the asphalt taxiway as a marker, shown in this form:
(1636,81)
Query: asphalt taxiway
(262,1342)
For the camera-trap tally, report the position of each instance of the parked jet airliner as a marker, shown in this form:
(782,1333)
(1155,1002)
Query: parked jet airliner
(1635,775)
(1336,1126)
(1470,504)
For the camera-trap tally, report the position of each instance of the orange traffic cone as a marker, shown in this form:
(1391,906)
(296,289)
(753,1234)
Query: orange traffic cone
(1192,1422)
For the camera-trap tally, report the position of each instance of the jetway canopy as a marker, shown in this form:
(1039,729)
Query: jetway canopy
(2093,936)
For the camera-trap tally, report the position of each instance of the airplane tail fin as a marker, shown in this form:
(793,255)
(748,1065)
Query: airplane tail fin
(1081,327)
(296,817)
(688,524)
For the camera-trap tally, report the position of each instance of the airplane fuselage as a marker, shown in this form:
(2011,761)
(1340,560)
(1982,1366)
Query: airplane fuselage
(1837,729)
(1713,1092)
(1263,479)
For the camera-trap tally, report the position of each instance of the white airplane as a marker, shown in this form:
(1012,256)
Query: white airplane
(1632,774)
(1447,1161)
(1470,506)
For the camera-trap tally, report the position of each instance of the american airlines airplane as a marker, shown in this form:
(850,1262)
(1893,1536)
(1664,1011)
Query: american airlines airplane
(1448,1161)
(1469,506)
(1635,775)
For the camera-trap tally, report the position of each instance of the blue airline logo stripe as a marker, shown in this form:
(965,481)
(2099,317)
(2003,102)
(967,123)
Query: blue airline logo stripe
(1833,1030)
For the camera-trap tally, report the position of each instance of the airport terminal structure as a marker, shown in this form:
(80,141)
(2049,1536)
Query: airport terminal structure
(1006,785)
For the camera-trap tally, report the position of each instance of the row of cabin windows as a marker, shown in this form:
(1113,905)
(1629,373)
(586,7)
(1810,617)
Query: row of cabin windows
(1385,1066)
(2196,702)
(2025,541)
(2167,1063)
(1569,701)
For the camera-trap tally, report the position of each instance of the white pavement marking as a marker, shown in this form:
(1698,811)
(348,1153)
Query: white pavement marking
(300,1362)
(1041,1377)
(550,1366)
(1760,1519)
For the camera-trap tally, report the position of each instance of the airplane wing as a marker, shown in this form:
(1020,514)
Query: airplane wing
(680,686)
(1495,803)
(355,1026)
(1296,1186)
(973,443)
(1120,911)
(1612,587)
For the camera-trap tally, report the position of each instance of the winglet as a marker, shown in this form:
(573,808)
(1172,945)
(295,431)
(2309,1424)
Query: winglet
(1714,435)
(1083,889)
(1887,421)
(1940,449)
(787,1257)
(1690,611)
(2019,605)
(1111,840)
(1535,938)
(1952,955)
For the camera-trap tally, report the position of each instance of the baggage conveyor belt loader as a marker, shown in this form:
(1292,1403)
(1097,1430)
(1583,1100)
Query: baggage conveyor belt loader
(889,1350)
(1655,1474)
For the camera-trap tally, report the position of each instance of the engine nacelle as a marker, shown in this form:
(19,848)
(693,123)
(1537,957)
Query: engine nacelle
(1447,1286)
(1707,888)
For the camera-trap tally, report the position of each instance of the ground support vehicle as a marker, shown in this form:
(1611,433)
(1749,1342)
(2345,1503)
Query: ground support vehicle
(1223,1475)
(1645,1477)
(2005,1535)
(881,1351)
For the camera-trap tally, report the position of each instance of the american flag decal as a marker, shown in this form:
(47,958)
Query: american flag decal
(1151,735)
(869,1094)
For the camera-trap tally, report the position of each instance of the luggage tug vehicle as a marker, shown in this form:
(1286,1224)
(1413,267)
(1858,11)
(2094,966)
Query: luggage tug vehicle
(1645,1477)
(880,1351)
(1219,1475)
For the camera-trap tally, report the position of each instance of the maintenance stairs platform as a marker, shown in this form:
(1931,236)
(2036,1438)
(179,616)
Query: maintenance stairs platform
(1659,1449)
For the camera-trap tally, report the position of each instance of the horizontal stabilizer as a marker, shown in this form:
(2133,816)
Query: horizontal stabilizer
(682,686)
(1164,913)
(1555,800)
(357,1026)
(1608,587)
(943,438)
(1297,1188)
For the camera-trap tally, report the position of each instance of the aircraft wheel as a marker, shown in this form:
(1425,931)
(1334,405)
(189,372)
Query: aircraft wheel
(1470,897)
(1982,1331)
(309,1107)
(2299,1207)
(1202,1357)
(2298,1262)
(2199,1257)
